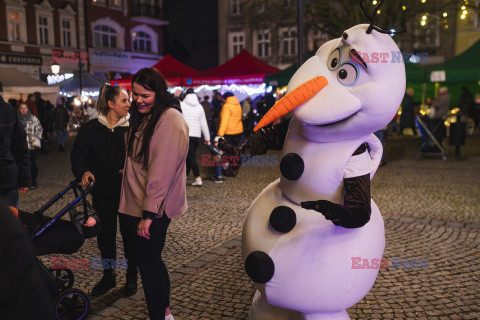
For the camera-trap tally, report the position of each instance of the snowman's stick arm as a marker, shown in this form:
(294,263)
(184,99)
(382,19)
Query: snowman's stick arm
(271,137)
(355,211)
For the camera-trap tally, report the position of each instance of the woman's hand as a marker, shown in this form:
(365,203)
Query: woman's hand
(86,177)
(143,228)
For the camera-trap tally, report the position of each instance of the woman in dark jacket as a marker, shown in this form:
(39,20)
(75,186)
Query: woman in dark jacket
(99,154)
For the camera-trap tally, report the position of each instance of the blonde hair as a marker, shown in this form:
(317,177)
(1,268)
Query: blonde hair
(107,93)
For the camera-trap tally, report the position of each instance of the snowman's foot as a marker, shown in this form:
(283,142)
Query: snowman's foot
(342,315)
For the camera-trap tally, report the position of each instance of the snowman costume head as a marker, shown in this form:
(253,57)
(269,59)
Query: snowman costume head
(363,90)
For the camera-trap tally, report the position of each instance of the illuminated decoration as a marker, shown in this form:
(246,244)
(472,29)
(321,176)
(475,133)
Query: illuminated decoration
(374,2)
(423,1)
(404,8)
(240,91)
(56,78)
(414,59)
(423,23)
(84,94)
(77,102)
(445,14)
(55,68)
(379,11)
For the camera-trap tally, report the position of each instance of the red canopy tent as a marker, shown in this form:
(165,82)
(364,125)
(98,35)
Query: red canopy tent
(172,70)
(244,68)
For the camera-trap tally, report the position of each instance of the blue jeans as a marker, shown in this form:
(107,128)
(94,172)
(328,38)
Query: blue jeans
(11,198)
(61,136)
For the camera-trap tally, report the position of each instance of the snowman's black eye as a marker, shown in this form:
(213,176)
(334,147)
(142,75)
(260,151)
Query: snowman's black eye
(347,74)
(334,59)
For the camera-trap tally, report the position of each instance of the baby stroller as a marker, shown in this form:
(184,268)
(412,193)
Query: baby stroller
(59,236)
(432,132)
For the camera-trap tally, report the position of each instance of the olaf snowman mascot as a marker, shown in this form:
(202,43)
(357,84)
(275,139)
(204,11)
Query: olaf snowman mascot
(305,232)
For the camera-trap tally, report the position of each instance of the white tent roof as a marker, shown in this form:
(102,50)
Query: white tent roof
(15,81)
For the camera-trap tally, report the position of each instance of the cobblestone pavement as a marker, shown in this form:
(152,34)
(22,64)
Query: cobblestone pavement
(430,208)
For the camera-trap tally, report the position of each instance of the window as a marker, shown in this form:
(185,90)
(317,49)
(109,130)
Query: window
(262,43)
(288,41)
(105,36)
(116,3)
(142,42)
(66,33)
(235,7)
(43,30)
(316,39)
(236,43)
(14,26)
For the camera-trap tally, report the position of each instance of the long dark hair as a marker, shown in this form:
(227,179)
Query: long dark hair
(151,80)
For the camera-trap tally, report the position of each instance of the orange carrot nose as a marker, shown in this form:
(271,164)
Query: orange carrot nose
(297,97)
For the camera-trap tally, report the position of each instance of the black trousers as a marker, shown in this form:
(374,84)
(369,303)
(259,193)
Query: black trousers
(33,164)
(233,139)
(107,211)
(191,157)
(155,279)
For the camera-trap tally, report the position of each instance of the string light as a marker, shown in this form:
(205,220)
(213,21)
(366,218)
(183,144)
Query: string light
(445,14)
(424,17)
(463,7)
(374,2)
(423,1)
(465,12)
(423,23)
(404,8)
(462,17)
(379,11)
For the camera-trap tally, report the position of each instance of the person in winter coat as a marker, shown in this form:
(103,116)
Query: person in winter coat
(407,118)
(61,118)
(34,132)
(440,105)
(194,115)
(231,127)
(99,154)
(154,182)
(31,104)
(15,170)
(475,114)
(207,107)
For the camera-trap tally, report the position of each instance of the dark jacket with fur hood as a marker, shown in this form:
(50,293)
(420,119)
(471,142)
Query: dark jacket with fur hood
(100,149)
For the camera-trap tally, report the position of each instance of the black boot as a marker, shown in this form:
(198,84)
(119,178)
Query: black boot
(107,282)
(130,286)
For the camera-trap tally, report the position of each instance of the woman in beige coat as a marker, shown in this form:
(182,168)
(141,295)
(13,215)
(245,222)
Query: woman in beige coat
(154,182)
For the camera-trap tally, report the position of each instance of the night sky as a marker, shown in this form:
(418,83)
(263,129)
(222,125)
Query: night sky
(192,36)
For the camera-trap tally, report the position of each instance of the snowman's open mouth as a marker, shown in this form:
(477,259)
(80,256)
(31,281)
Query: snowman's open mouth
(335,122)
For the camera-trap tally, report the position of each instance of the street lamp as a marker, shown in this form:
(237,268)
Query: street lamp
(55,68)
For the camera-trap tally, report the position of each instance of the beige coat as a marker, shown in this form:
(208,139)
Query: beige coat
(162,186)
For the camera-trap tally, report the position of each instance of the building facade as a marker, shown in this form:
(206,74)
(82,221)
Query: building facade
(276,45)
(108,38)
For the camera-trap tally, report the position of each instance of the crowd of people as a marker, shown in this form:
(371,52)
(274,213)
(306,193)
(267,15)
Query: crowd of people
(139,148)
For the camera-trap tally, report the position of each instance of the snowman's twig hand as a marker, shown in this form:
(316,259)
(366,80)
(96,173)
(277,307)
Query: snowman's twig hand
(232,158)
(324,207)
